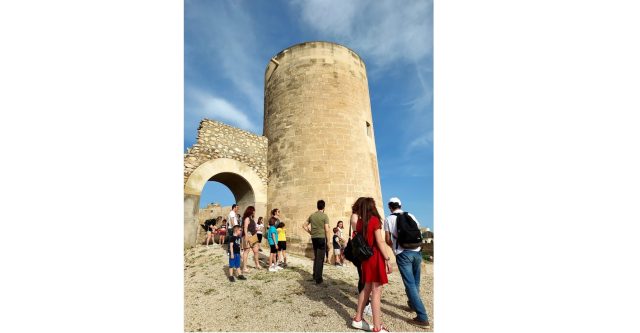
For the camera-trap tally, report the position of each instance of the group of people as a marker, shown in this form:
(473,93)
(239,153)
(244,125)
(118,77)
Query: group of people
(381,235)
(244,235)
(373,271)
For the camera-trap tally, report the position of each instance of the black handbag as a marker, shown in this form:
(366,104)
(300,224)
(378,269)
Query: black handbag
(348,250)
(360,248)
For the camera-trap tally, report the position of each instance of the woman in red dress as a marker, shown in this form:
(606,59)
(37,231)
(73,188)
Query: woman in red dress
(374,269)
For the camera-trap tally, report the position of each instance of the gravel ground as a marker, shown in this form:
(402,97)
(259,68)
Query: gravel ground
(286,300)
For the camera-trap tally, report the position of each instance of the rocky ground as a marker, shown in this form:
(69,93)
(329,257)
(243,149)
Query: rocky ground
(286,300)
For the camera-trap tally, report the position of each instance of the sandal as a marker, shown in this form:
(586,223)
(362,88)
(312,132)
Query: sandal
(382,329)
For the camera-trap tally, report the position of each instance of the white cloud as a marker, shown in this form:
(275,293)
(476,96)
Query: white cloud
(421,141)
(226,40)
(381,31)
(213,107)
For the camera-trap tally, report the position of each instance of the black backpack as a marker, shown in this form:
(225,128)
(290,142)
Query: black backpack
(208,223)
(409,235)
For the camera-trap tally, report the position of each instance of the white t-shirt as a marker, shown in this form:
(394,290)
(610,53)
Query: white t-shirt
(233,219)
(259,228)
(390,226)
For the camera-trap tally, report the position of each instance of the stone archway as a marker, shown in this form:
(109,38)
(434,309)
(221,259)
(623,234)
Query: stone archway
(245,184)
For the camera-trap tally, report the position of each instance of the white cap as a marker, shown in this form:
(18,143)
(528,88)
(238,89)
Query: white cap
(396,200)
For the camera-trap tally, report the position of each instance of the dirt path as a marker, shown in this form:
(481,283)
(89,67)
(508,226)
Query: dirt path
(286,300)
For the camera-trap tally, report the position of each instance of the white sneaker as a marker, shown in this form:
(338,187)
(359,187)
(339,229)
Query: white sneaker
(272,269)
(279,268)
(362,325)
(367,310)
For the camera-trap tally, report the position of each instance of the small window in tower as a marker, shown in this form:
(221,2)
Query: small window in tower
(368,129)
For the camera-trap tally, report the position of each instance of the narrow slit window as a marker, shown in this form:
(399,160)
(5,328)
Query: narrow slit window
(368,129)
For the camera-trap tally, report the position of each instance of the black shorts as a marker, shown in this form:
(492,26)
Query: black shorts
(273,249)
(282,245)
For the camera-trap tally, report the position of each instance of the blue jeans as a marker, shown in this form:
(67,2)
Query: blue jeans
(409,266)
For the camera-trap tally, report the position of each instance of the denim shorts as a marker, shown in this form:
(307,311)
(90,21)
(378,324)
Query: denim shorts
(235,262)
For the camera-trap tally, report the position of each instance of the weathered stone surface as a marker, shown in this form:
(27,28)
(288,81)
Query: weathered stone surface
(321,139)
(218,140)
(318,141)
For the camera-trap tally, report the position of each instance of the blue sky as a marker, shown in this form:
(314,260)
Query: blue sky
(228,45)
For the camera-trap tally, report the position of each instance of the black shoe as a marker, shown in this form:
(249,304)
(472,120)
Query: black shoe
(419,322)
(319,281)
(232,279)
(241,277)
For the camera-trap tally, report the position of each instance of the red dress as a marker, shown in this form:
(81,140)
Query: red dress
(373,269)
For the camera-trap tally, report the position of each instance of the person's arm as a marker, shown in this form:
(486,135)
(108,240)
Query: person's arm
(306,226)
(245,227)
(354,222)
(387,238)
(387,232)
(273,236)
(383,249)
(326,231)
(231,248)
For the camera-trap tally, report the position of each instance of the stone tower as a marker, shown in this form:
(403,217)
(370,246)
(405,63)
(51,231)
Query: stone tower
(317,119)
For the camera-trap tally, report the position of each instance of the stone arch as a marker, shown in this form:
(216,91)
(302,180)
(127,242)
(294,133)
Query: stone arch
(245,184)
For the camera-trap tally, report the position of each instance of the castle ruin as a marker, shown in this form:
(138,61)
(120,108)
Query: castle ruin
(318,143)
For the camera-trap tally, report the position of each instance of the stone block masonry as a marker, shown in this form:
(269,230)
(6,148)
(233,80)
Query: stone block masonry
(318,143)
(218,140)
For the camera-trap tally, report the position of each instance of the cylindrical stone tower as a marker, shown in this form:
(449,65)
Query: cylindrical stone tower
(317,117)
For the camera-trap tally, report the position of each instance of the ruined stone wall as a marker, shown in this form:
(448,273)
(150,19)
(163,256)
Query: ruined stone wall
(321,140)
(218,140)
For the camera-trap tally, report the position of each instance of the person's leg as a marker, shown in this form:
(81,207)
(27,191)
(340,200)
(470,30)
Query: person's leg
(314,242)
(376,295)
(360,282)
(326,253)
(245,257)
(284,253)
(256,256)
(417,303)
(363,297)
(405,262)
(319,259)
(417,263)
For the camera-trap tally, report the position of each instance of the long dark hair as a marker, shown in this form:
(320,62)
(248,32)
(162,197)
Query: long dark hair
(366,210)
(248,212)
(260,220)
(356,205)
